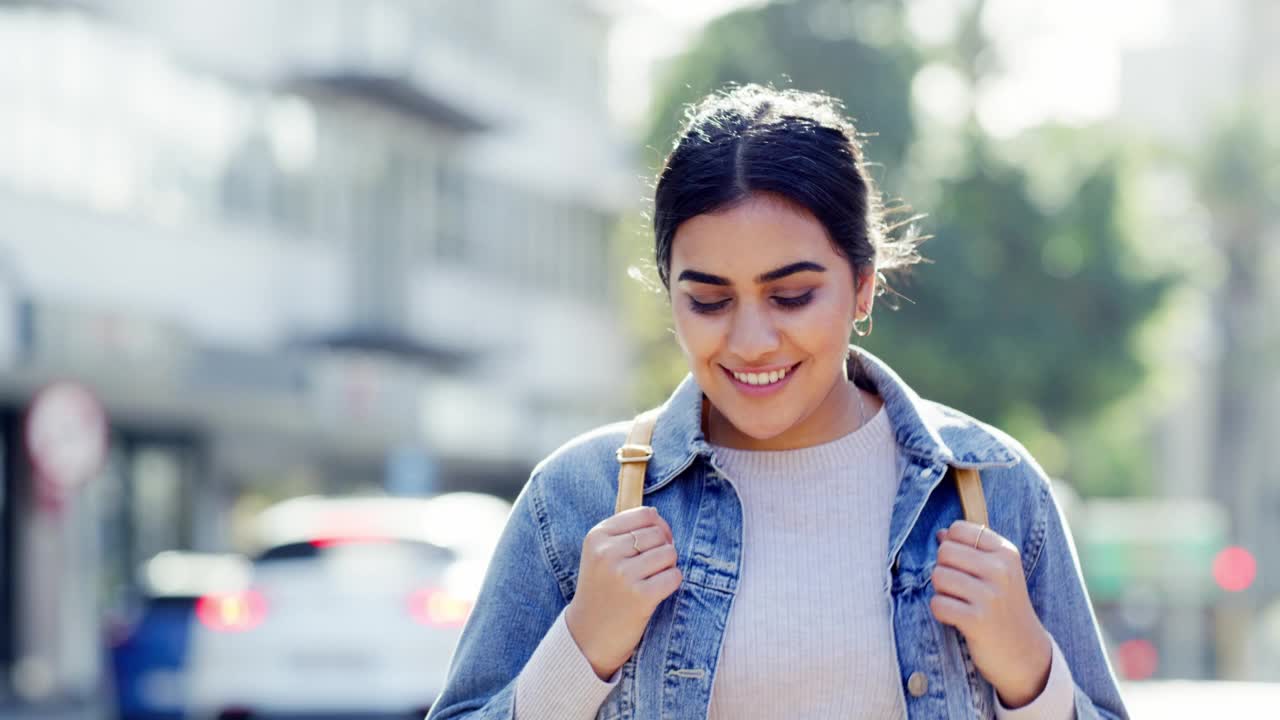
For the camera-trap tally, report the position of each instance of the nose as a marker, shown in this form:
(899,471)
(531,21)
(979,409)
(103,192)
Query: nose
(752,334)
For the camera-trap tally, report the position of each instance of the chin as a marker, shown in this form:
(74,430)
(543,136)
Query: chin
(750,423)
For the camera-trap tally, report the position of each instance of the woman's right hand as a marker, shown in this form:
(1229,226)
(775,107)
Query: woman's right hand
(618,588)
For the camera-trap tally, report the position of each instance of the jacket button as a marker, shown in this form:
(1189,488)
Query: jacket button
(918,684)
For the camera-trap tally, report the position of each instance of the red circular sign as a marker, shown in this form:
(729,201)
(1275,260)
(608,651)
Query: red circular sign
(1234,569)
(65,434)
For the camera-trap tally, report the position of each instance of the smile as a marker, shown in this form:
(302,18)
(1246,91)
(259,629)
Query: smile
(761,383)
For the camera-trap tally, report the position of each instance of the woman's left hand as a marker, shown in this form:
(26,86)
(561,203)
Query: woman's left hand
(982,592)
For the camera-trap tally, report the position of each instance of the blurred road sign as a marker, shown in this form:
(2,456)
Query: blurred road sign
(65,433)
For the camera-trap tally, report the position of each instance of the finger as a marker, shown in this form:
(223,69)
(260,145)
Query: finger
(979,564)
(662,584)
(632,519)
(971,534)
(662,523)
(649,563)
(636,542)
(959,585)
(950,611)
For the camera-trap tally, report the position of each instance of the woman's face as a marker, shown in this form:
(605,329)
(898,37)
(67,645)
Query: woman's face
(763,308)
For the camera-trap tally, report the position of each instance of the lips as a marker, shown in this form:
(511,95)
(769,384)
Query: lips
(759,390)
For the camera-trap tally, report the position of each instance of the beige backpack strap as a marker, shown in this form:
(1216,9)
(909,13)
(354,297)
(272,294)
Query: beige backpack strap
(969,485)
(633,458)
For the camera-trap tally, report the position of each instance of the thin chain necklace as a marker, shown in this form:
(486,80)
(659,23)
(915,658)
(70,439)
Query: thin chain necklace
(862,407)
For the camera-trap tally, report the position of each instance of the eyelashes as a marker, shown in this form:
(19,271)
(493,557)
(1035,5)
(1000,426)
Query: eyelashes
(787,303)
(794,302)
(706,308)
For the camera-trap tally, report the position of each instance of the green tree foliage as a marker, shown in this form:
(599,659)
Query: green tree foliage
(1025,316)
(856,52)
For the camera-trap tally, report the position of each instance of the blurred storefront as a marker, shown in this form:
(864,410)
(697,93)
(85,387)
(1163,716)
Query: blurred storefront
(1151,565)
(348,265)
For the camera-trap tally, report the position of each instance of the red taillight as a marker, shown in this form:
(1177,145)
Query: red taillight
(233,612)
(325,542)
(437,608)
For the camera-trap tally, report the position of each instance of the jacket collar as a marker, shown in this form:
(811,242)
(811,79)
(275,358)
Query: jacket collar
(922,428)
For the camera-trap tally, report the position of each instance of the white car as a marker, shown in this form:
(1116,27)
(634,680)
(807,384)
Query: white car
(354,615)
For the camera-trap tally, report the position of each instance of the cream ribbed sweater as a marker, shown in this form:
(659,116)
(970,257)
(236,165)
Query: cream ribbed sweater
(811,605)
(809,630)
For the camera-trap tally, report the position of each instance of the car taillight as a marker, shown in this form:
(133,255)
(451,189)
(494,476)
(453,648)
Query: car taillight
(330,541)
(437,608)
(232,612)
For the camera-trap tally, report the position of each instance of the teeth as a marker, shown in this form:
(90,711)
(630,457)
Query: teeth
(761,378)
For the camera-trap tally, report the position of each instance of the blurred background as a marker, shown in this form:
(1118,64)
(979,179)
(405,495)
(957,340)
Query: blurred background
(293,295)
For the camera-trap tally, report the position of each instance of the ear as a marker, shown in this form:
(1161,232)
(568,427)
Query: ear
(865,296)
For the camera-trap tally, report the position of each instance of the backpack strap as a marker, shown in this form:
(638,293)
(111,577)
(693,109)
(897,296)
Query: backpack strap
(969,486)
(633,459)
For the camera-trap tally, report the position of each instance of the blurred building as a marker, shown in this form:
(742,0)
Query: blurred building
(291,247)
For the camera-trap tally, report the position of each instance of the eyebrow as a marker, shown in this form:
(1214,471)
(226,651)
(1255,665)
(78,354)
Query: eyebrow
(777,274)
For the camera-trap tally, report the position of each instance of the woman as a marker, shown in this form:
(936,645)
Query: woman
(801,551)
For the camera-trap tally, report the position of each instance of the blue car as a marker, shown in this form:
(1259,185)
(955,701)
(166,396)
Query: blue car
(149,654)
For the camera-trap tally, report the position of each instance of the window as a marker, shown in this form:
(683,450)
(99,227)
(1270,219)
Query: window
(450,213)
(421,208)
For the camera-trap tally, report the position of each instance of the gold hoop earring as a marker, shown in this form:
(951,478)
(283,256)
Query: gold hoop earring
(861,333)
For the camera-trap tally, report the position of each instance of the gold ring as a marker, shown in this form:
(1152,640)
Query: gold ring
(635,542)
(979,538)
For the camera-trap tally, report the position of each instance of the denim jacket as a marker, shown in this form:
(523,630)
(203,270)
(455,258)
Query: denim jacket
(533,573)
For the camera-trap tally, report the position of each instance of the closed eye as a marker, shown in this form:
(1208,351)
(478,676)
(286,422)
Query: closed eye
(789,303)
(707,308)
(794,302)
